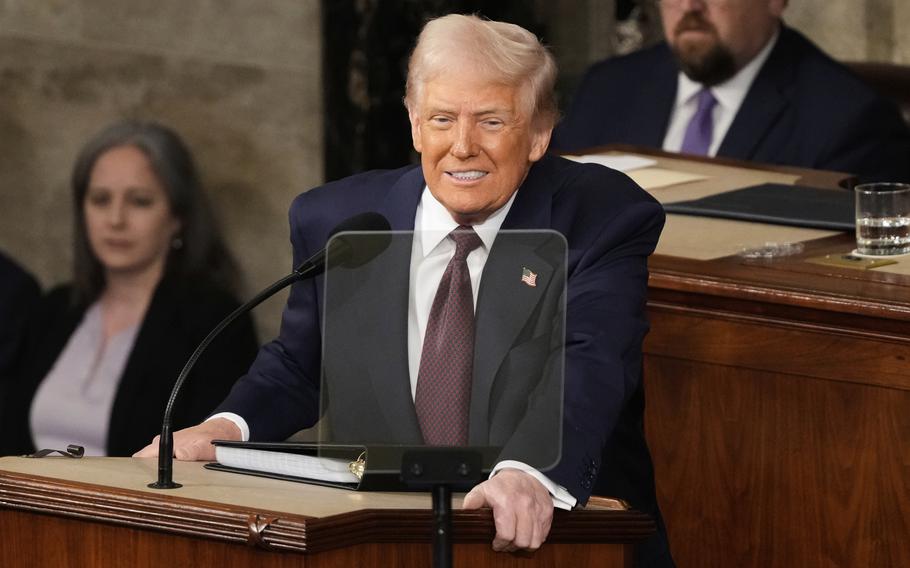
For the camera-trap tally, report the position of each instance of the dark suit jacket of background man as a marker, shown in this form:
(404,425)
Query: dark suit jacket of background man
(803,109)
(610,225)
(18,292)
(179,316)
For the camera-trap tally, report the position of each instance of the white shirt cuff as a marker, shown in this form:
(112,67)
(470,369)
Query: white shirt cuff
(562,499)
(236,419)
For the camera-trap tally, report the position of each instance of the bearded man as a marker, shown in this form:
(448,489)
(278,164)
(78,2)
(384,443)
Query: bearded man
(732,80)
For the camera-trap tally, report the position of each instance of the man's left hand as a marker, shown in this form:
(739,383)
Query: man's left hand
(522,509)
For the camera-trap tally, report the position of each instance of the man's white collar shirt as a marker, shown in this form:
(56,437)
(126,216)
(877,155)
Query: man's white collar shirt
(431,252)
(729,94)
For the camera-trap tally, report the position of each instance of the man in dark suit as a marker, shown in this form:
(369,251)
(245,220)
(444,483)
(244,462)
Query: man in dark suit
(481,106)
(732,81)
(18,292)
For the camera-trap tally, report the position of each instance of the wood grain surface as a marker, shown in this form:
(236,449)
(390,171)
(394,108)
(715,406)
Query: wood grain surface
(54,520)
(778,409)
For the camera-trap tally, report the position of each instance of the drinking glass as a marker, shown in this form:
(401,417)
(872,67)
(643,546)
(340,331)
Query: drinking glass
(882,218)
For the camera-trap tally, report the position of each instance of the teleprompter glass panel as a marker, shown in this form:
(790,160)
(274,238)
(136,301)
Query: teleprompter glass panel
(371,345)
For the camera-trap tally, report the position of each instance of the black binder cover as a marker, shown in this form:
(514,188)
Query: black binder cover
(779,204)
(382,467)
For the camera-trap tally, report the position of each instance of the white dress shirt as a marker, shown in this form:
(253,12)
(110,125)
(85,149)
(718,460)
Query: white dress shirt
(729,94)
(431,252)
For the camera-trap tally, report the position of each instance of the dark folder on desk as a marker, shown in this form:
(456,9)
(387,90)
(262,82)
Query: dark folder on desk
(778,204)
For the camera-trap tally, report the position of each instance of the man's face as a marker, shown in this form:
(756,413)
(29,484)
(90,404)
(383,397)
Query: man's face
(713,39)
(476,143)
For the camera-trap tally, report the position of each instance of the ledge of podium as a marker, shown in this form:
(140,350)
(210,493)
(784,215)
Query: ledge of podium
(98,512)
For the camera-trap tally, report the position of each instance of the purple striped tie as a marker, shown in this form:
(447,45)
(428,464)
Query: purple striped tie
(447,359)
(700,130)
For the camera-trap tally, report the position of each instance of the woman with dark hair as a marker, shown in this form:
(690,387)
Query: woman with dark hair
(152,276)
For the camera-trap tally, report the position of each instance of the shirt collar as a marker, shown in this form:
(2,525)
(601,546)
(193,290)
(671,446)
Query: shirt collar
(730,93)
(433,223)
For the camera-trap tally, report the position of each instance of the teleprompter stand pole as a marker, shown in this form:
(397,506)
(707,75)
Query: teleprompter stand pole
(441,470)
(442,526)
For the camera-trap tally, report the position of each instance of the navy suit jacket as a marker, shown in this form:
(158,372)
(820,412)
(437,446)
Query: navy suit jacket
(517,384)
(610,226)
(803,109)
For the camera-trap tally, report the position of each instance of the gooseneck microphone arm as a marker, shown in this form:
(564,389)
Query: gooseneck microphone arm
(340,248)
(166,442)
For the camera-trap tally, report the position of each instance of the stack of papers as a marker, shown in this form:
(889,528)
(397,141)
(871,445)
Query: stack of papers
(287,464)
(640,169)
(621,162)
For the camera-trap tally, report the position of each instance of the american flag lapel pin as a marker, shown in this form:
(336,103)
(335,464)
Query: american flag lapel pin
(528,277)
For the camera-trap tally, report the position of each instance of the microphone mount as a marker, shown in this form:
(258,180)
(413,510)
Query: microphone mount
(339,249)
(166,442)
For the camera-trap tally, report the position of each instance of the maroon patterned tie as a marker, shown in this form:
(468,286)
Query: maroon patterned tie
(447,360)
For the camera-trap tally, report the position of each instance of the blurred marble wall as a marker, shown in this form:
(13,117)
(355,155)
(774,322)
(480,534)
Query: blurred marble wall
(855,30)
(239,80)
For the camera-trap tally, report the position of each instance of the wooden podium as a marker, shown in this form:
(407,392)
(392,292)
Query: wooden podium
(94,512)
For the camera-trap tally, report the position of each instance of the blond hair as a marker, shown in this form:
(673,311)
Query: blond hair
(503,52)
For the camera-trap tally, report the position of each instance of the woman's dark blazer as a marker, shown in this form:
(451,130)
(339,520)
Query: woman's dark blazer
(178,318)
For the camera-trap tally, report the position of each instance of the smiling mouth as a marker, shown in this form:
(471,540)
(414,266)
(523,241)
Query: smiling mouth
(470,175)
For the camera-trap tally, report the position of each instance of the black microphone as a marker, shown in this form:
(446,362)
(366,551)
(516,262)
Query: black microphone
(342,250)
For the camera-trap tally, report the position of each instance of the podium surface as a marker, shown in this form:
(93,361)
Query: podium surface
(98,512)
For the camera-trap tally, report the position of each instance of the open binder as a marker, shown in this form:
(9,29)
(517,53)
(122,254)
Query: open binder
(354,467)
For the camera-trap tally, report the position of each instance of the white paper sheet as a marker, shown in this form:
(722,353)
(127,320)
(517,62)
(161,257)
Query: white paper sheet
(621,162)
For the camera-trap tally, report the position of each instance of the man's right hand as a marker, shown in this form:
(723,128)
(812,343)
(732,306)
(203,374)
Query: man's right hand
(195,443)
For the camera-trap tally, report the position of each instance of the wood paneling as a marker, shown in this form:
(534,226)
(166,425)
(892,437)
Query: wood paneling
(56,521)
(45,540)
(781,346)
(778,408)
(765,469)
(780,431)
(779,411)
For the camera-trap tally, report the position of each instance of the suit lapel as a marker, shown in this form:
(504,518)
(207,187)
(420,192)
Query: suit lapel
(400,204)
(766,100)
(652,112)
(504,302)
(504,305)
(391,379)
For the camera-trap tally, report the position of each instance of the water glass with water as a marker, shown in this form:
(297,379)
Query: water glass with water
(882,218)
